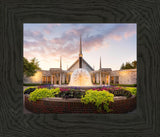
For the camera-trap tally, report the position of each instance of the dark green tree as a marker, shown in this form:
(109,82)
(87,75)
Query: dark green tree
(30,68)
(122,67)
(134,64)
(129,65)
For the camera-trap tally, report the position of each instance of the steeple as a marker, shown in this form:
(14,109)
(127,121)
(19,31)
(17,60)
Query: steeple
(80,54)
(100,79)
(60,80)
(60,62)
(80,48)
(100,66)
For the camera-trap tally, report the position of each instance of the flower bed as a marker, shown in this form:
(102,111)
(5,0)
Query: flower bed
(80,100)
(74,105)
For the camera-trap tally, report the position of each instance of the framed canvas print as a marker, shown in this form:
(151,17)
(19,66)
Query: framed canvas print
(27,43)
(50,86)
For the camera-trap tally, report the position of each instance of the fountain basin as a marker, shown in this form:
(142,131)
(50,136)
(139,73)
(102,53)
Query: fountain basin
(74,105)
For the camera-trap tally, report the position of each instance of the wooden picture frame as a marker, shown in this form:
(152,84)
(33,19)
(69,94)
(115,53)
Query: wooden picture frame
(145,122)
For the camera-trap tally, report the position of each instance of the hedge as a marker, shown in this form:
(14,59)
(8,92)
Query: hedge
(125,85)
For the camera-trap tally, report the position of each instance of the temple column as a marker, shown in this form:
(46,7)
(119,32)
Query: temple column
(94,78)
(100,79)
(103,78)
(41,80)
(97,78)
(109,80)
(51,79)
(67,78)
(60,79)
(114,81)
(55,78)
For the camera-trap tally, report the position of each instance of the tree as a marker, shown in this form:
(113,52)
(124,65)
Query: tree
(30,68)
(122,67)
(134,64)
(129,65)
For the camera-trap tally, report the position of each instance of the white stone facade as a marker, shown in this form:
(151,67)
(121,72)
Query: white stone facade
(37,78)
(128,76)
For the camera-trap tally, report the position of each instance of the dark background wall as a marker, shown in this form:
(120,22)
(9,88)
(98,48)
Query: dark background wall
(145,122)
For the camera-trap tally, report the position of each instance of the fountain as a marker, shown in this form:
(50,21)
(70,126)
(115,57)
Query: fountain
(80,77)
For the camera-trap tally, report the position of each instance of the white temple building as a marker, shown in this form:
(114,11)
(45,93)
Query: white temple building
(102,76)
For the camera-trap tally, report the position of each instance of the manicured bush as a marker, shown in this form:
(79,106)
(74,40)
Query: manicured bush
(121,92)
(43,93)
(132,90)
(32,84)
(29,90)
(99,98)
(117,91)
(125,85)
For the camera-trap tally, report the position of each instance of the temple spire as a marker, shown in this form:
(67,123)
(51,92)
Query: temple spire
(100,65)
(60,79)
(60,62)
(80,53)
(80,48)
(100,77)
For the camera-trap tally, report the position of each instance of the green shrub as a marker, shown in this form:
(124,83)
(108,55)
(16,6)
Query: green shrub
(121,92)
(28,90)
(99,98)
(133,90)
(43,93)
(33,84)
(125,85)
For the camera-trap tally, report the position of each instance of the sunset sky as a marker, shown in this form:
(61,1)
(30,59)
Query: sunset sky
(115,43)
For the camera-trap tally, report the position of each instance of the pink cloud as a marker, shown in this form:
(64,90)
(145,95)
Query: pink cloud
(47,31)
(129,34)
(58,41)
(116,37)
(58,24)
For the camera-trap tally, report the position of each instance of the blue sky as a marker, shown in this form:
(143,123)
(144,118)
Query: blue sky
(115,43)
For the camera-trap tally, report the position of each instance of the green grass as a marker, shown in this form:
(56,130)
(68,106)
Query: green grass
(125,85)
(33,84)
